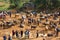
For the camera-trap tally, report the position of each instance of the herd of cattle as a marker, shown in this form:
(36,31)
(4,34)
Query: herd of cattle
(32,21)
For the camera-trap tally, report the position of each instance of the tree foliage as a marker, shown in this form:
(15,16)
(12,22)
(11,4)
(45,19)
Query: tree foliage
(39,4)
(17,3)
(47,4)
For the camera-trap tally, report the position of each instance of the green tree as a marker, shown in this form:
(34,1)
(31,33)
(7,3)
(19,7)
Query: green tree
(46,4)
(17,3)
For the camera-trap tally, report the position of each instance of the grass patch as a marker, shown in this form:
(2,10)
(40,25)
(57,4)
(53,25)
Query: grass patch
(4,6)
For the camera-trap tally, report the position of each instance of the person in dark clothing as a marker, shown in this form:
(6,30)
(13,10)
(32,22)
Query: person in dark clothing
(37,34)
(9,38)
(4,37)
(17,34)
(13,33)
(21,33)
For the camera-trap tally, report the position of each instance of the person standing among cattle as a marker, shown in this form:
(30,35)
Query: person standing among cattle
(37,34)
(4,37)
(17,34)
(13,33)
(9,37)
(21,33)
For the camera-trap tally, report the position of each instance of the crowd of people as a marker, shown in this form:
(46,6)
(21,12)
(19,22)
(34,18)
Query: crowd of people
(41,22)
